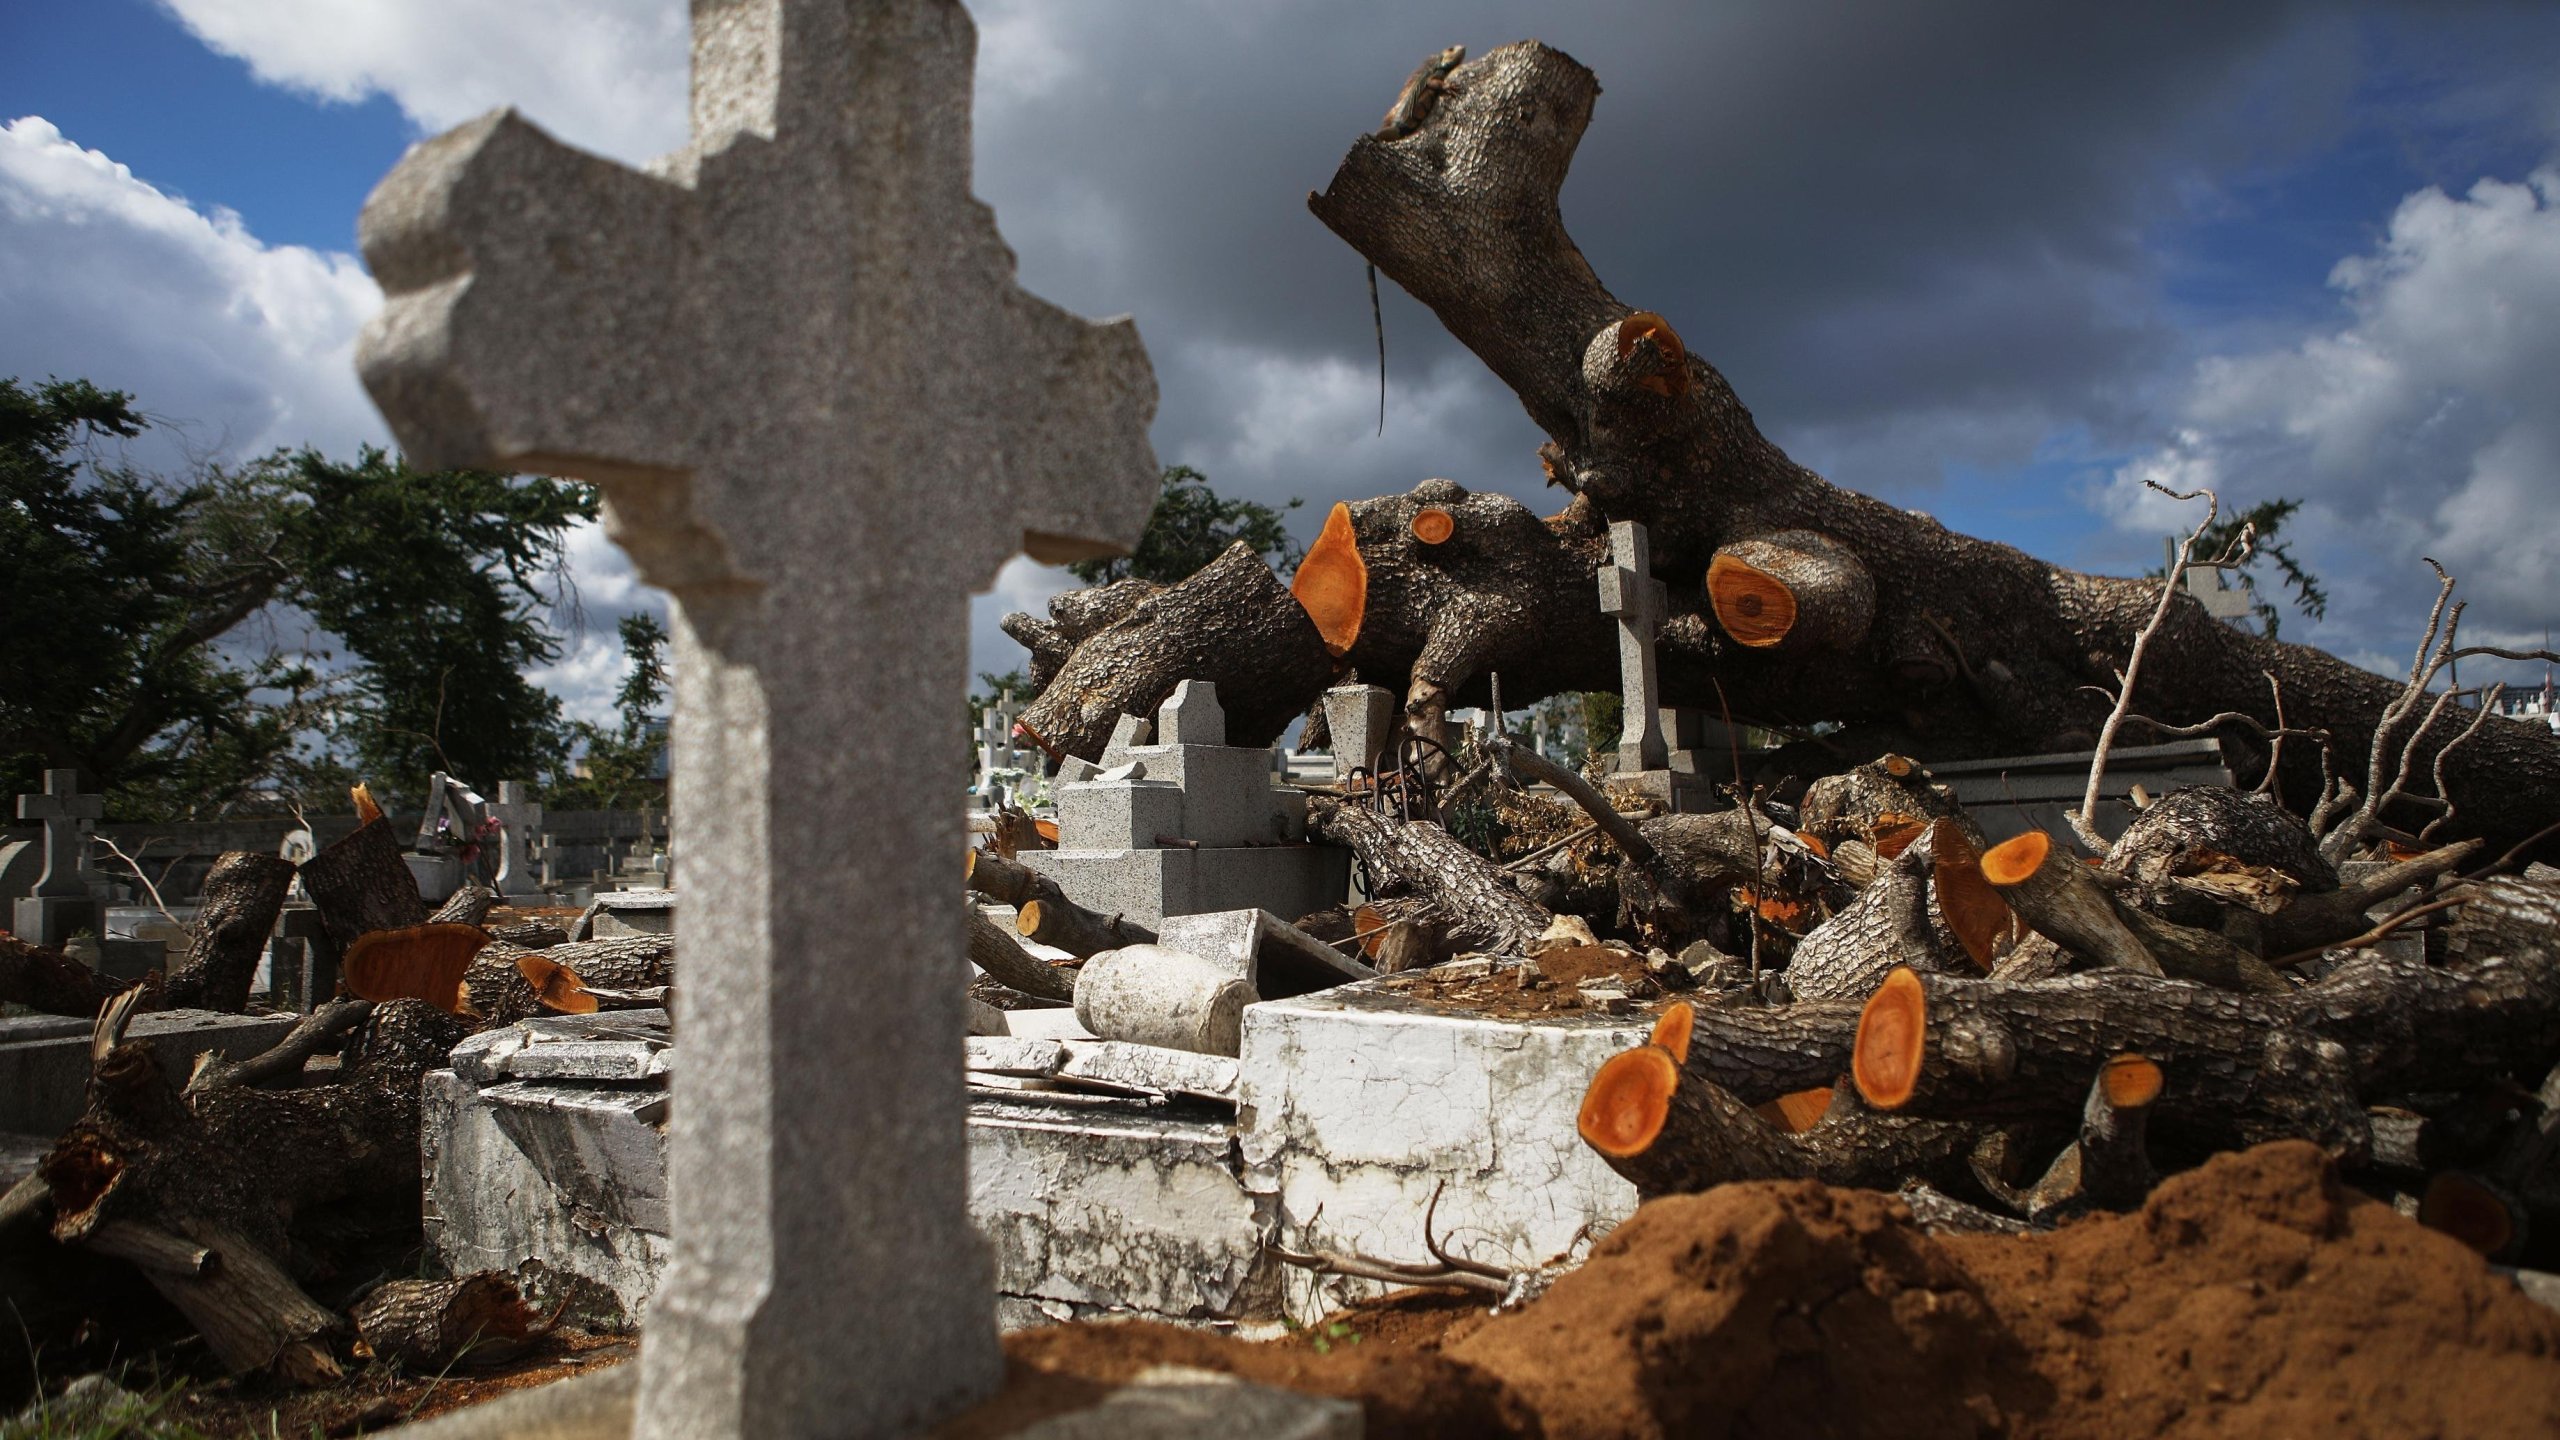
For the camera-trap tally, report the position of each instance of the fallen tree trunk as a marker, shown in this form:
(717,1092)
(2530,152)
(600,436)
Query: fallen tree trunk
(1971,648)
(1061,923)
(2062,899)
(501,993)
(1669,1132)
(1484,911)
(360,884)
(1008,964)
(48,981)
(1763,1052)
(242,896)
(226,1168)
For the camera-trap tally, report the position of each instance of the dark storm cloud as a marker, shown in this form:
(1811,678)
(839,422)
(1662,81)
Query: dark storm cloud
(1860,213)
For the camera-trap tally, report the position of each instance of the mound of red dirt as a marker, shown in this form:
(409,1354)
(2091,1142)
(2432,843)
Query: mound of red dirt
(2253,1296)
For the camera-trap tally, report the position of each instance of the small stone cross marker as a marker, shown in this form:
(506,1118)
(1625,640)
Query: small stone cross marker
(1630,595)
(67,815)
(794,357)
(518,819)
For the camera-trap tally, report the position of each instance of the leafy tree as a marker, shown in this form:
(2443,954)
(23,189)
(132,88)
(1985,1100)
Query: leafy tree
(1191,526)
(131,652)
(620,764)
(2269,517)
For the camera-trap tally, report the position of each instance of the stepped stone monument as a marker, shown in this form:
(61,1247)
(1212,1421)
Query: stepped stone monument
(794,357)
(1185,824)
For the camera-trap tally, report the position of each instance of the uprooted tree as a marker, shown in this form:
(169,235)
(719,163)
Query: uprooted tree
(1793,601)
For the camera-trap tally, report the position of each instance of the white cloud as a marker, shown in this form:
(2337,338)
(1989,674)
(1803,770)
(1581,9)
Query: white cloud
(2428,423)
(242,346)
(610,78)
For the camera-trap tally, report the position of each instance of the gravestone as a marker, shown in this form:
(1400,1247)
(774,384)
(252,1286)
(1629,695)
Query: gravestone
(1631,596)
(519,819)
(1186,824)
(62,903)
(794,358)
(1647,756)
(1361,722)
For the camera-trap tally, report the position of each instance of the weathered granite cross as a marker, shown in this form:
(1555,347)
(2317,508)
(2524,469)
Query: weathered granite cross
(518,818)
(794,357)
(1630,595)
(67,815)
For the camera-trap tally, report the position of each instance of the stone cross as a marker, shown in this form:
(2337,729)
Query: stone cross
(1630,595)
(518,819)
(794,358)
(67,815)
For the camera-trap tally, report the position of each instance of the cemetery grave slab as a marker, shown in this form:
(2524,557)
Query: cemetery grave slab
(44,1059)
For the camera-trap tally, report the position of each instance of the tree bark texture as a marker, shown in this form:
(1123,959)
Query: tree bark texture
(1484,911)
(48,981)
(1887,926)
(242,895)
(1974,648)
(1057,921)
(1710,1138)
(360,884)
(502,996)
(1008,964)
(1760,1052)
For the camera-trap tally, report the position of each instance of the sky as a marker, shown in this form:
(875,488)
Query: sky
(1999,262)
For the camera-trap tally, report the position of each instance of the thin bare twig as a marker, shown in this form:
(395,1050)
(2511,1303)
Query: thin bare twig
(145,881)
(2377,933)
(2275,743)
(2084,822)
(2488,704)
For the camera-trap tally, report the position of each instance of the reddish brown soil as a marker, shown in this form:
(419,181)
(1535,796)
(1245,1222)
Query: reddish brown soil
(2254,1296)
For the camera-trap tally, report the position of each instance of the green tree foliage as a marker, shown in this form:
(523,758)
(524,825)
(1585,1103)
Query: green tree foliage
(133,650)
(2268,516)
(1191,526)
(618,765)
(437,583)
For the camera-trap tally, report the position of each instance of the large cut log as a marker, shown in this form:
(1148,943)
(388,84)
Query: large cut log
(1791,592)
(228,1167)
(360,884)
(2108,1167)
(1232,624)
(242,896)
(467,906)
(1056,921)
(1008,964)
(2241,1069)
(1484,911)
(497,988)
(2194,852)
(1668,1132)
(2062,899)
(1885,928)
(48,981)
(1975,648)
(1761,1053)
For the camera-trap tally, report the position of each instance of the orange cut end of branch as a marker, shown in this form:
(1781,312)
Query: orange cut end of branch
(1672,1030)
(969,866)
(1897,766)
(556,985)
(2467,1210)
(1796,1113)
(2131,1081)
(1433,525)
(1893,1041)
(1980,919)
(1026,921)
(1332,584)
(2012,860)
(1630,1097)
(1755,607)
(1894,834)
(421,962)
(367,809)
(1814,843)
(1371,927)
(1047,830)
